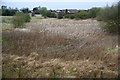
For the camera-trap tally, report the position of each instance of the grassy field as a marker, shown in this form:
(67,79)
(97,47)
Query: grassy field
(53,48)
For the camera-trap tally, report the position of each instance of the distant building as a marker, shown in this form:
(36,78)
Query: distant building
(72,11)
(64,11)
(54,11)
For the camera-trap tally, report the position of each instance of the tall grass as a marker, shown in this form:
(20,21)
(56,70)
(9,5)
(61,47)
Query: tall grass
(50,49)
(25,43)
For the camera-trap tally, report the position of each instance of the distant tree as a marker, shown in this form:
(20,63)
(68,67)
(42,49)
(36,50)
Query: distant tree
(51,15)
(44,11)
(60,15)
(66,10)
(93,12)
(3,7)
(81,15)
(8,12)
(25,10)
(36,10)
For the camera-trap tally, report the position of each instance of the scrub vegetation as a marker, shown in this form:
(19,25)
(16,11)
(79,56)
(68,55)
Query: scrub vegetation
(61,45)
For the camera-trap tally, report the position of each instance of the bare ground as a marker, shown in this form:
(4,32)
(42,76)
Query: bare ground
(60,48)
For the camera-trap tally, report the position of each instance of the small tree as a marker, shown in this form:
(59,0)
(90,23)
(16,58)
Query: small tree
(93,12)
(25,10)
(44,11)
(60,15)
(27,17)
(81,15)
(51,15)
(19,19)
(111,18)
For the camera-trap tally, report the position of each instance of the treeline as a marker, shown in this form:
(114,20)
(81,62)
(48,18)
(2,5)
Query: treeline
(20,17)
(109,16)
(45,13)
(4,11)
(85,14)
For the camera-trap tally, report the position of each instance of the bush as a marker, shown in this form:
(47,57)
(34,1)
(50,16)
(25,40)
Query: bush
(93,12)
(19,19)
(71,16)
(100,15)
(4,11)
(27,17)
(45,13)
(111,26)
(33,14)
(109,15)
(60,15)
(81,15)
(67,16)
(51,15)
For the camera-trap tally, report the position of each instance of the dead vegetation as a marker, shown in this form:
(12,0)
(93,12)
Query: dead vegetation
(48,51)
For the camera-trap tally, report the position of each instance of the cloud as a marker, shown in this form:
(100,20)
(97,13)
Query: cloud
(59,0)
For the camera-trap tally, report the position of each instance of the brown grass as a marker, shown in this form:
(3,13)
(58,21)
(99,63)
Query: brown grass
(46,54)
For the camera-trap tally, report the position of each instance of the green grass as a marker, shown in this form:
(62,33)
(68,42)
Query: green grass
(38,18)
(113,49)
(6,26)
(6,19)
(73,71)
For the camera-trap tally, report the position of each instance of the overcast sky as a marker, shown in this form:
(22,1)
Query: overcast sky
(58,4)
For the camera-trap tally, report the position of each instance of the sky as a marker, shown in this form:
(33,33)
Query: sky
(57,4)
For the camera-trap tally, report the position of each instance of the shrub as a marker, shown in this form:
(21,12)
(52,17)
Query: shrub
(43,11)
(100,15)
(51,15)
(71,16)
(60,15)
(27,17)
(81,15)
(111,26)
(67,16)
(109,15)
(19,19)
(4,11)
(93,12)
(33,14)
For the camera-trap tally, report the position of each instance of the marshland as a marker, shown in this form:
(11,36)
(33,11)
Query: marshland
(59,48)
